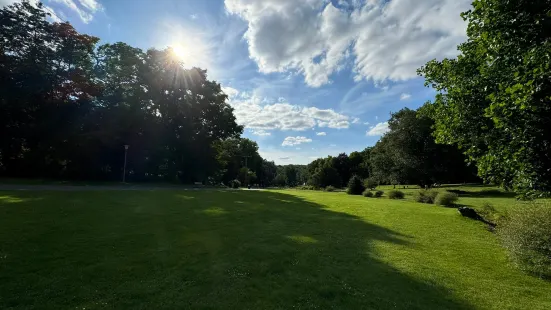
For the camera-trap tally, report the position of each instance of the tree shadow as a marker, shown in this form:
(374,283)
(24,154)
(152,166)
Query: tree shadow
(486,193)
(200,249)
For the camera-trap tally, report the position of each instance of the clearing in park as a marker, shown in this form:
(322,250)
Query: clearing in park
(252,250)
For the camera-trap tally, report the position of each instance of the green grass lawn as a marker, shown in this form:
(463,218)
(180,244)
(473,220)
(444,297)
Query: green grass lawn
(251,250)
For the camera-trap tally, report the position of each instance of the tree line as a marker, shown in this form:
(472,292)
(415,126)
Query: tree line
(407,154)
(492,103)
(68,107)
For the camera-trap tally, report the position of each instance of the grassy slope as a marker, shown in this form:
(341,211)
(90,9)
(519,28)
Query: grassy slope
(246,249)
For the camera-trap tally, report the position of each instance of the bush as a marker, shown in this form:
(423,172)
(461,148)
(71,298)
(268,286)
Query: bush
(446,199)
(425,196)
(395,194)
(370,183)
(355,186)
(489,213)
(306,187)
(234,184)
(378,194)
(330,188)
(525,232)
(367,193)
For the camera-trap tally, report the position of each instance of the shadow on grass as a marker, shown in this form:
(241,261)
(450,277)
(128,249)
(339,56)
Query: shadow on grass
(487,193)
(202,249)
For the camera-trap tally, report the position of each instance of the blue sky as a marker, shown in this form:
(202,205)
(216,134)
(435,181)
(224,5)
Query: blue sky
(307,78)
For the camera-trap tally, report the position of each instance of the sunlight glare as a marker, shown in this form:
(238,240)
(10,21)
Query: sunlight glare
(179,52)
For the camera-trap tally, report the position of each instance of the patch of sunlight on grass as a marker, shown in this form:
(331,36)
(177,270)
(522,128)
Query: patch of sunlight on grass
(283,200)
(10,199)
(216,211)
(185,197)
(302,239)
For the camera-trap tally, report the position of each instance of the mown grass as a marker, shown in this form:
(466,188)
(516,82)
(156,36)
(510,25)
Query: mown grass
(250,250)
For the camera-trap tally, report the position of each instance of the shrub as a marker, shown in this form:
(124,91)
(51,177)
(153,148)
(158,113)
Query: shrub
(525,233)
(306,187)
(367,193)
(355,186)
(378,194)
(395,194)
(446,199)
(234,184)
(489,213)
(425,196)
(370,183)
(330,188)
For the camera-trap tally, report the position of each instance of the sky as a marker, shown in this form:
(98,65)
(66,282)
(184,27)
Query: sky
(307,78)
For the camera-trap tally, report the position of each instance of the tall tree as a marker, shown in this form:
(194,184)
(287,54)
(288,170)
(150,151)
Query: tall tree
(68,106)
(409,154)
(493,101)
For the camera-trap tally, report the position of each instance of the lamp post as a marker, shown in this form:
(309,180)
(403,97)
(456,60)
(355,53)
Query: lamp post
(124,167)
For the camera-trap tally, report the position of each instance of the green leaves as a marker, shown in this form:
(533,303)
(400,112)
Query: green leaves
(493,100)
(67,106)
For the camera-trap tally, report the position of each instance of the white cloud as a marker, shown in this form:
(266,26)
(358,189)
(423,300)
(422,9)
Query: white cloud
(405,96)
(85,9)
(259,113)
(290,141)
(92,5)
(321,134)
(378,130)
(366,123)
(355,120)
(261,133)
(383,40)
(230,91)
(193,16)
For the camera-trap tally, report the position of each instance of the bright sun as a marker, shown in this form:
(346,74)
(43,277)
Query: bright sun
(179,51)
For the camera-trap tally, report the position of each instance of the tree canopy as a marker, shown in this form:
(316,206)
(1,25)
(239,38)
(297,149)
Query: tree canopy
(493,100)
(68,106)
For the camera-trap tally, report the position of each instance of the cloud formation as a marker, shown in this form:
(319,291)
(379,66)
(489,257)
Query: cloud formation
(382,40)
(378,130)
(230,91)
(85,9)
(321,134)
(290,141)
(405,96)
(261,133)
(256,113)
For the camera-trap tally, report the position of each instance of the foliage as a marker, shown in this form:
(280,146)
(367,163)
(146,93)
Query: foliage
(68,107)
(489,213)
(279,180)
(325,176)
(367,193)
(355,186)
(234,184)
(396,194)
(525,232)
(407,154)
(378,194)
(371,183)
(493,101)
(446,199)
(425,196)
(330,188)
